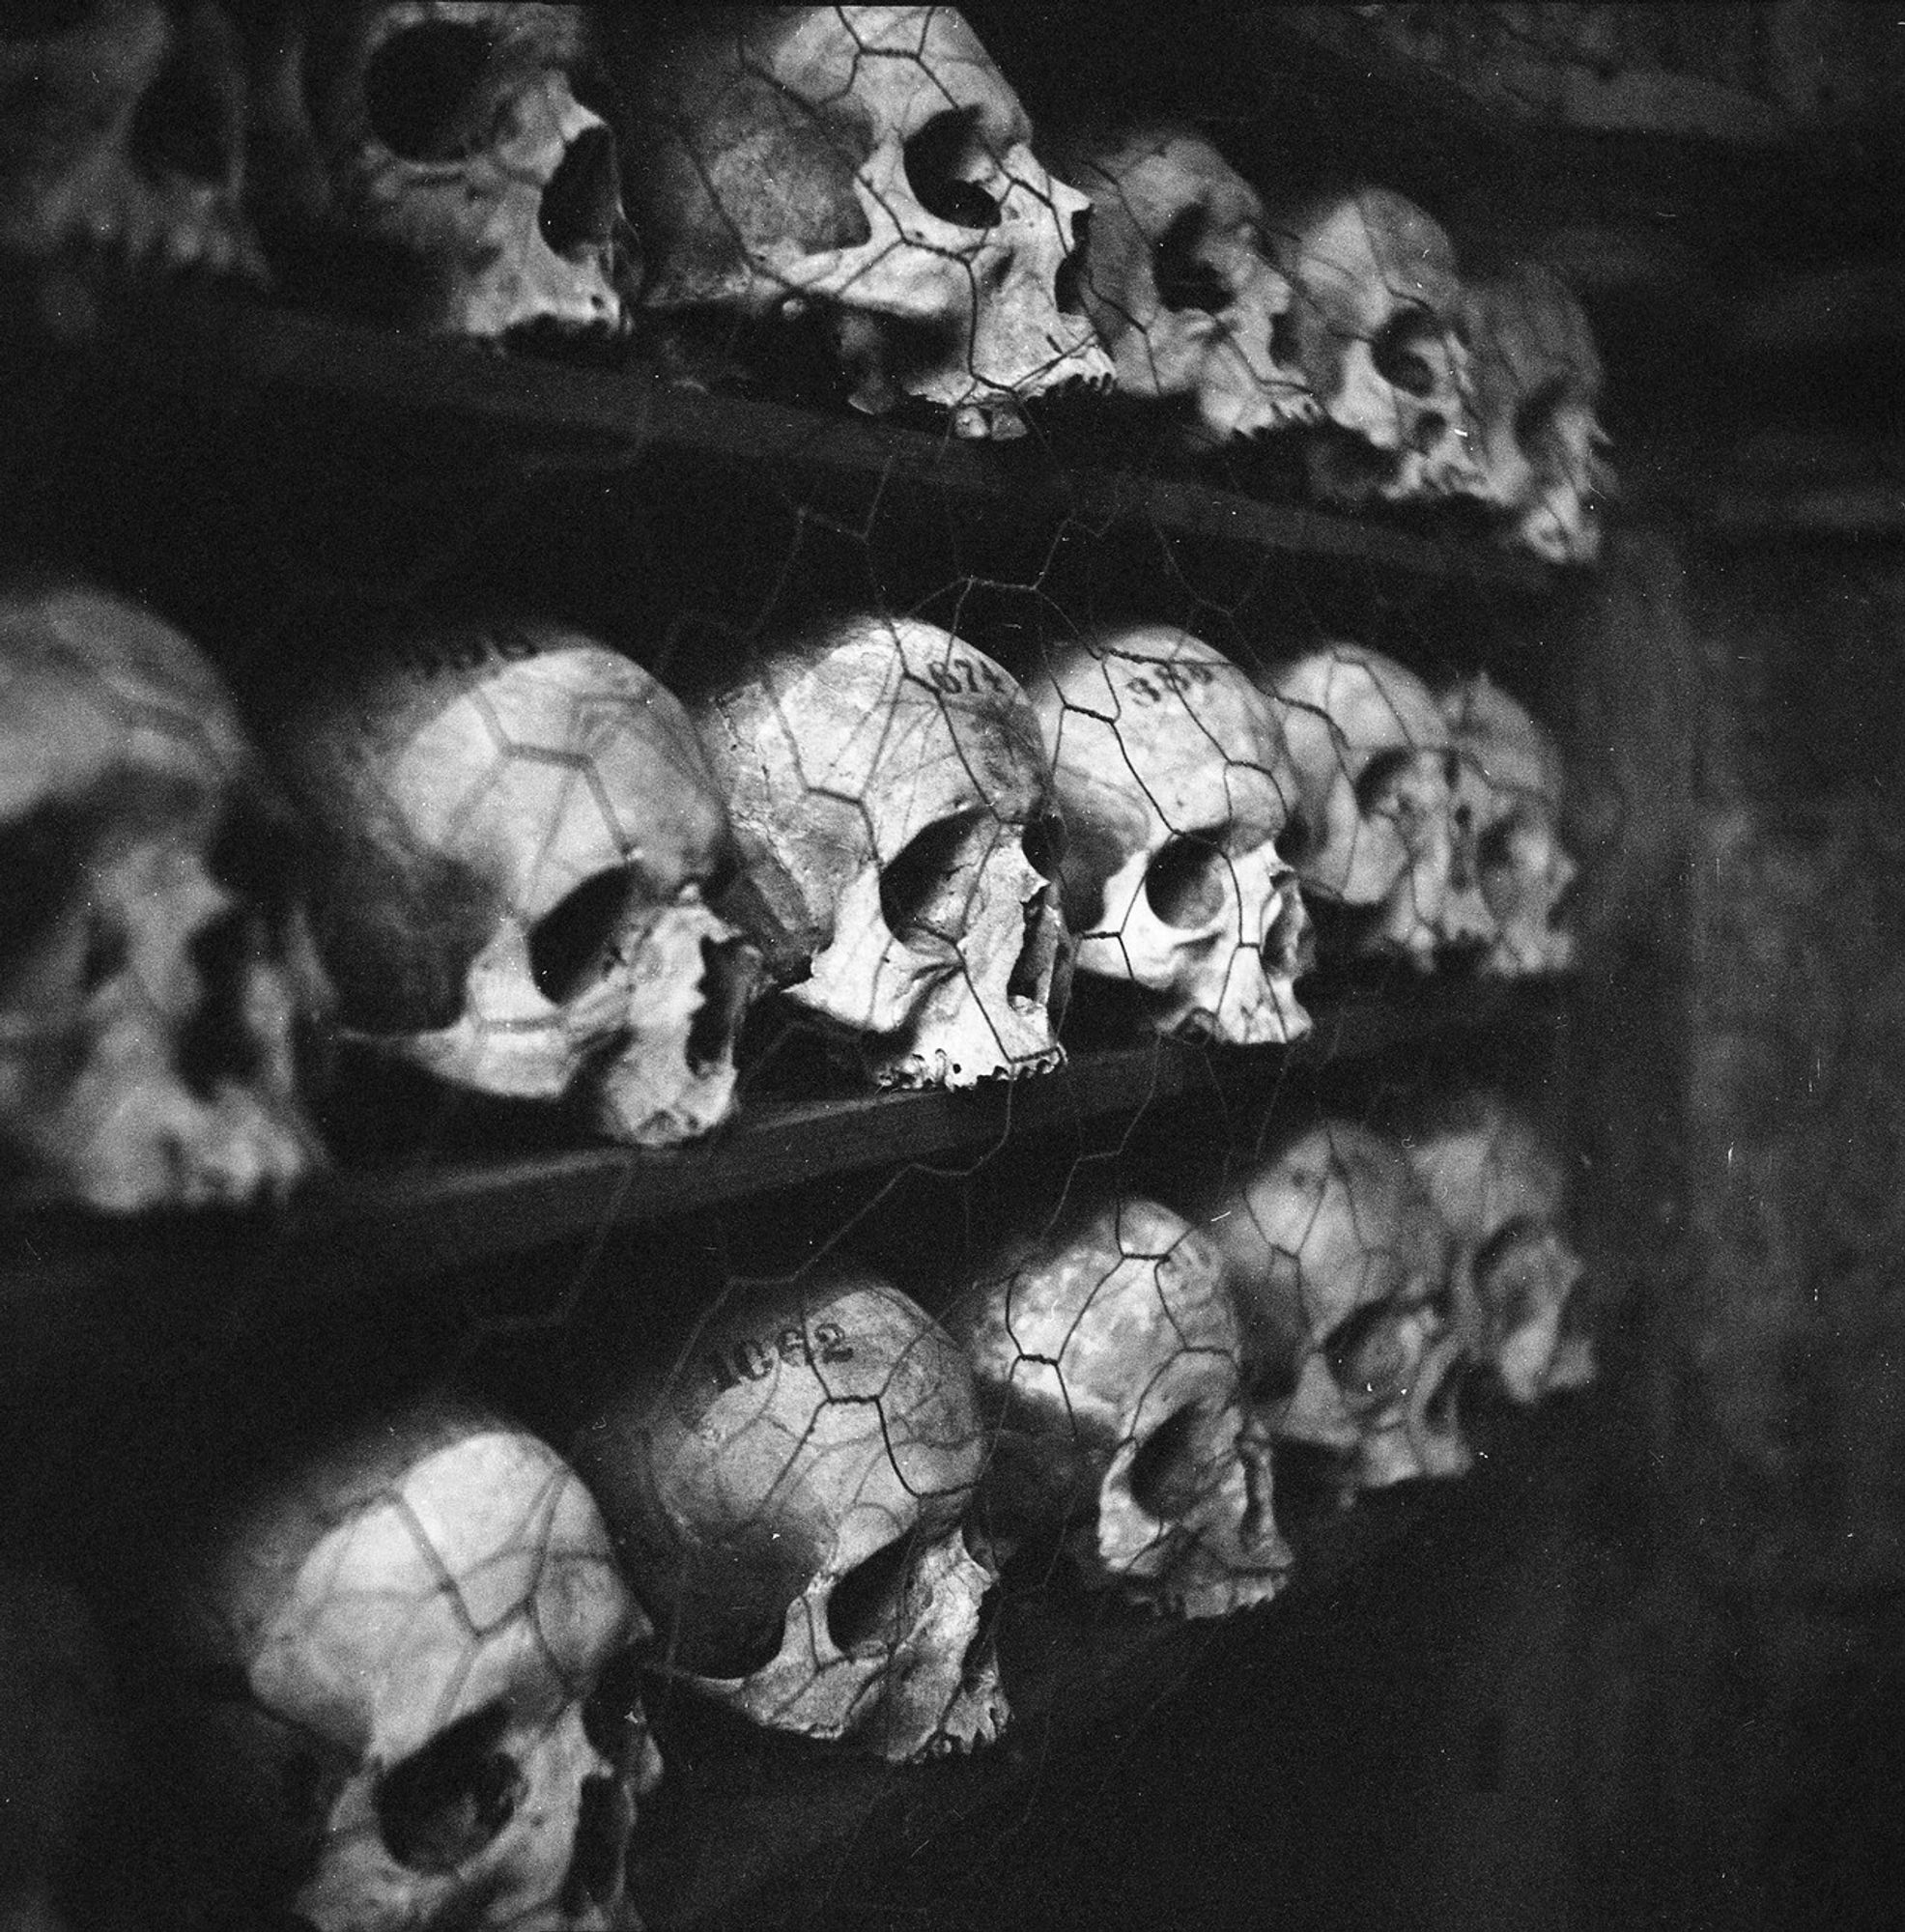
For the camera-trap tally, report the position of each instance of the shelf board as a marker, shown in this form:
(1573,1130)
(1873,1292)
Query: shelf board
(351,1231)
(464,1213)
(239,355)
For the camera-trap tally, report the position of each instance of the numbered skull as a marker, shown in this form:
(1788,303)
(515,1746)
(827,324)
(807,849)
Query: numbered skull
(1509,792)
(1375,773)
(892,803)
(788,1495)
(520,836)
(1343,1268)
(1179,284)
(1113,1366)
(432,1715)
(868,167)
(1539,383)
(427,161)
(1499,1183)
(157,979)
(122,131)
(1176,785)
(1378,322)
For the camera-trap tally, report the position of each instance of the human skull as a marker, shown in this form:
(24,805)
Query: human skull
(1377,321)
(1178,283)
(1343,1265)
(1375,769)
(520,836)
(1498,1182)
(1537,388)
(122,130)
(1508,798)
(432,164)
(433,1717)
(870,164)
(892,801)
(156,976)
(1112,1364)
(61,1753)
(1176,785)
(788,1493)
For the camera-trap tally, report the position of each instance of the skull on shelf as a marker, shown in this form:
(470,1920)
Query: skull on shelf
(1499,1183)
(1176,785)
(1376,323)
(1375,770)
(870,166)
(892,803)
(122,130)
(1112,1364)
(428,161)
(434,1717)
(519,836)
(1537,388)
(1343,1268)
(1178,283)
(788,1495)
(158,973)
(1508,798)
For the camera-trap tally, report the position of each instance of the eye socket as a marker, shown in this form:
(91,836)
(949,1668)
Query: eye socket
(926,892)
(1401,354)
(1379,778)
(1185,884)
(938,159)
(1534,413)
(867,1603)
(574,943)
(613,1717)
(446,1802)
(421,90)
(1166,1477)
(1044,844)
(1184,281)
(1365,1356)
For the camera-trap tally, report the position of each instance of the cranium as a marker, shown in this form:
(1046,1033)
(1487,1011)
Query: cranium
(157,975)
(1498,1182)
(870,166)
(1507,797)
(1176,785)
(1376,323)
(1374,769)
(1178,283)
(122,130)
(788,1494)
(1112,1364)
(521,835)
(1343,1265)
(429,1715)
(431,163)
(891,797)
(1537,388)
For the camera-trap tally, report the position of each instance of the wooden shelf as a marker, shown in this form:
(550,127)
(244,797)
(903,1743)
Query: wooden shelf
(350,1234)
(243,358)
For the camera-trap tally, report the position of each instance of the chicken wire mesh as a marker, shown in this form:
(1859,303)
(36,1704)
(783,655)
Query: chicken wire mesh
(658,791)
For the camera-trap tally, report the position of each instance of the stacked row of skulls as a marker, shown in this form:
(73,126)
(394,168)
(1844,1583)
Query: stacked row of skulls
(517,867)
(776,191)
(406,1659)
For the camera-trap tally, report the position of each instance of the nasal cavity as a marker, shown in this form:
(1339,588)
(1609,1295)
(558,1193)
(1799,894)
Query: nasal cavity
(583,201)
(1288,945)
(1030,983)
(604,1822)
(729,970)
